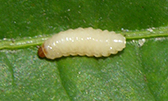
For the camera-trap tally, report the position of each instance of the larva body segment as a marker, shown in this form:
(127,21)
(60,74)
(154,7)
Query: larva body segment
(83,41)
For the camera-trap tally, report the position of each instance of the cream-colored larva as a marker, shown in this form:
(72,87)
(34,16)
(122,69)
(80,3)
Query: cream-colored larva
(82,41)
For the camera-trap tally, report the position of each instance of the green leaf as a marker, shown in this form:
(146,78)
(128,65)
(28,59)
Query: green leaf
(137,73)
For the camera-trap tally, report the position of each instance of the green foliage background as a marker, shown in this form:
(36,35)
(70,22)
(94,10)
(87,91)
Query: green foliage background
(139,72)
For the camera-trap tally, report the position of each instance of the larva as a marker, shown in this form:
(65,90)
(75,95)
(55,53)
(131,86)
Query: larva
(82,41)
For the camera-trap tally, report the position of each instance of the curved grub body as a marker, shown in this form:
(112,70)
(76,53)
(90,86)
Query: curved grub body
(83,41)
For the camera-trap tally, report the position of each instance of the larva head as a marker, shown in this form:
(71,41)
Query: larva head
(41,52)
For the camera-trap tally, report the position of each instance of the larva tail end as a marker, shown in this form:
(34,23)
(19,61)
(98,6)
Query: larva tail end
(41,53)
